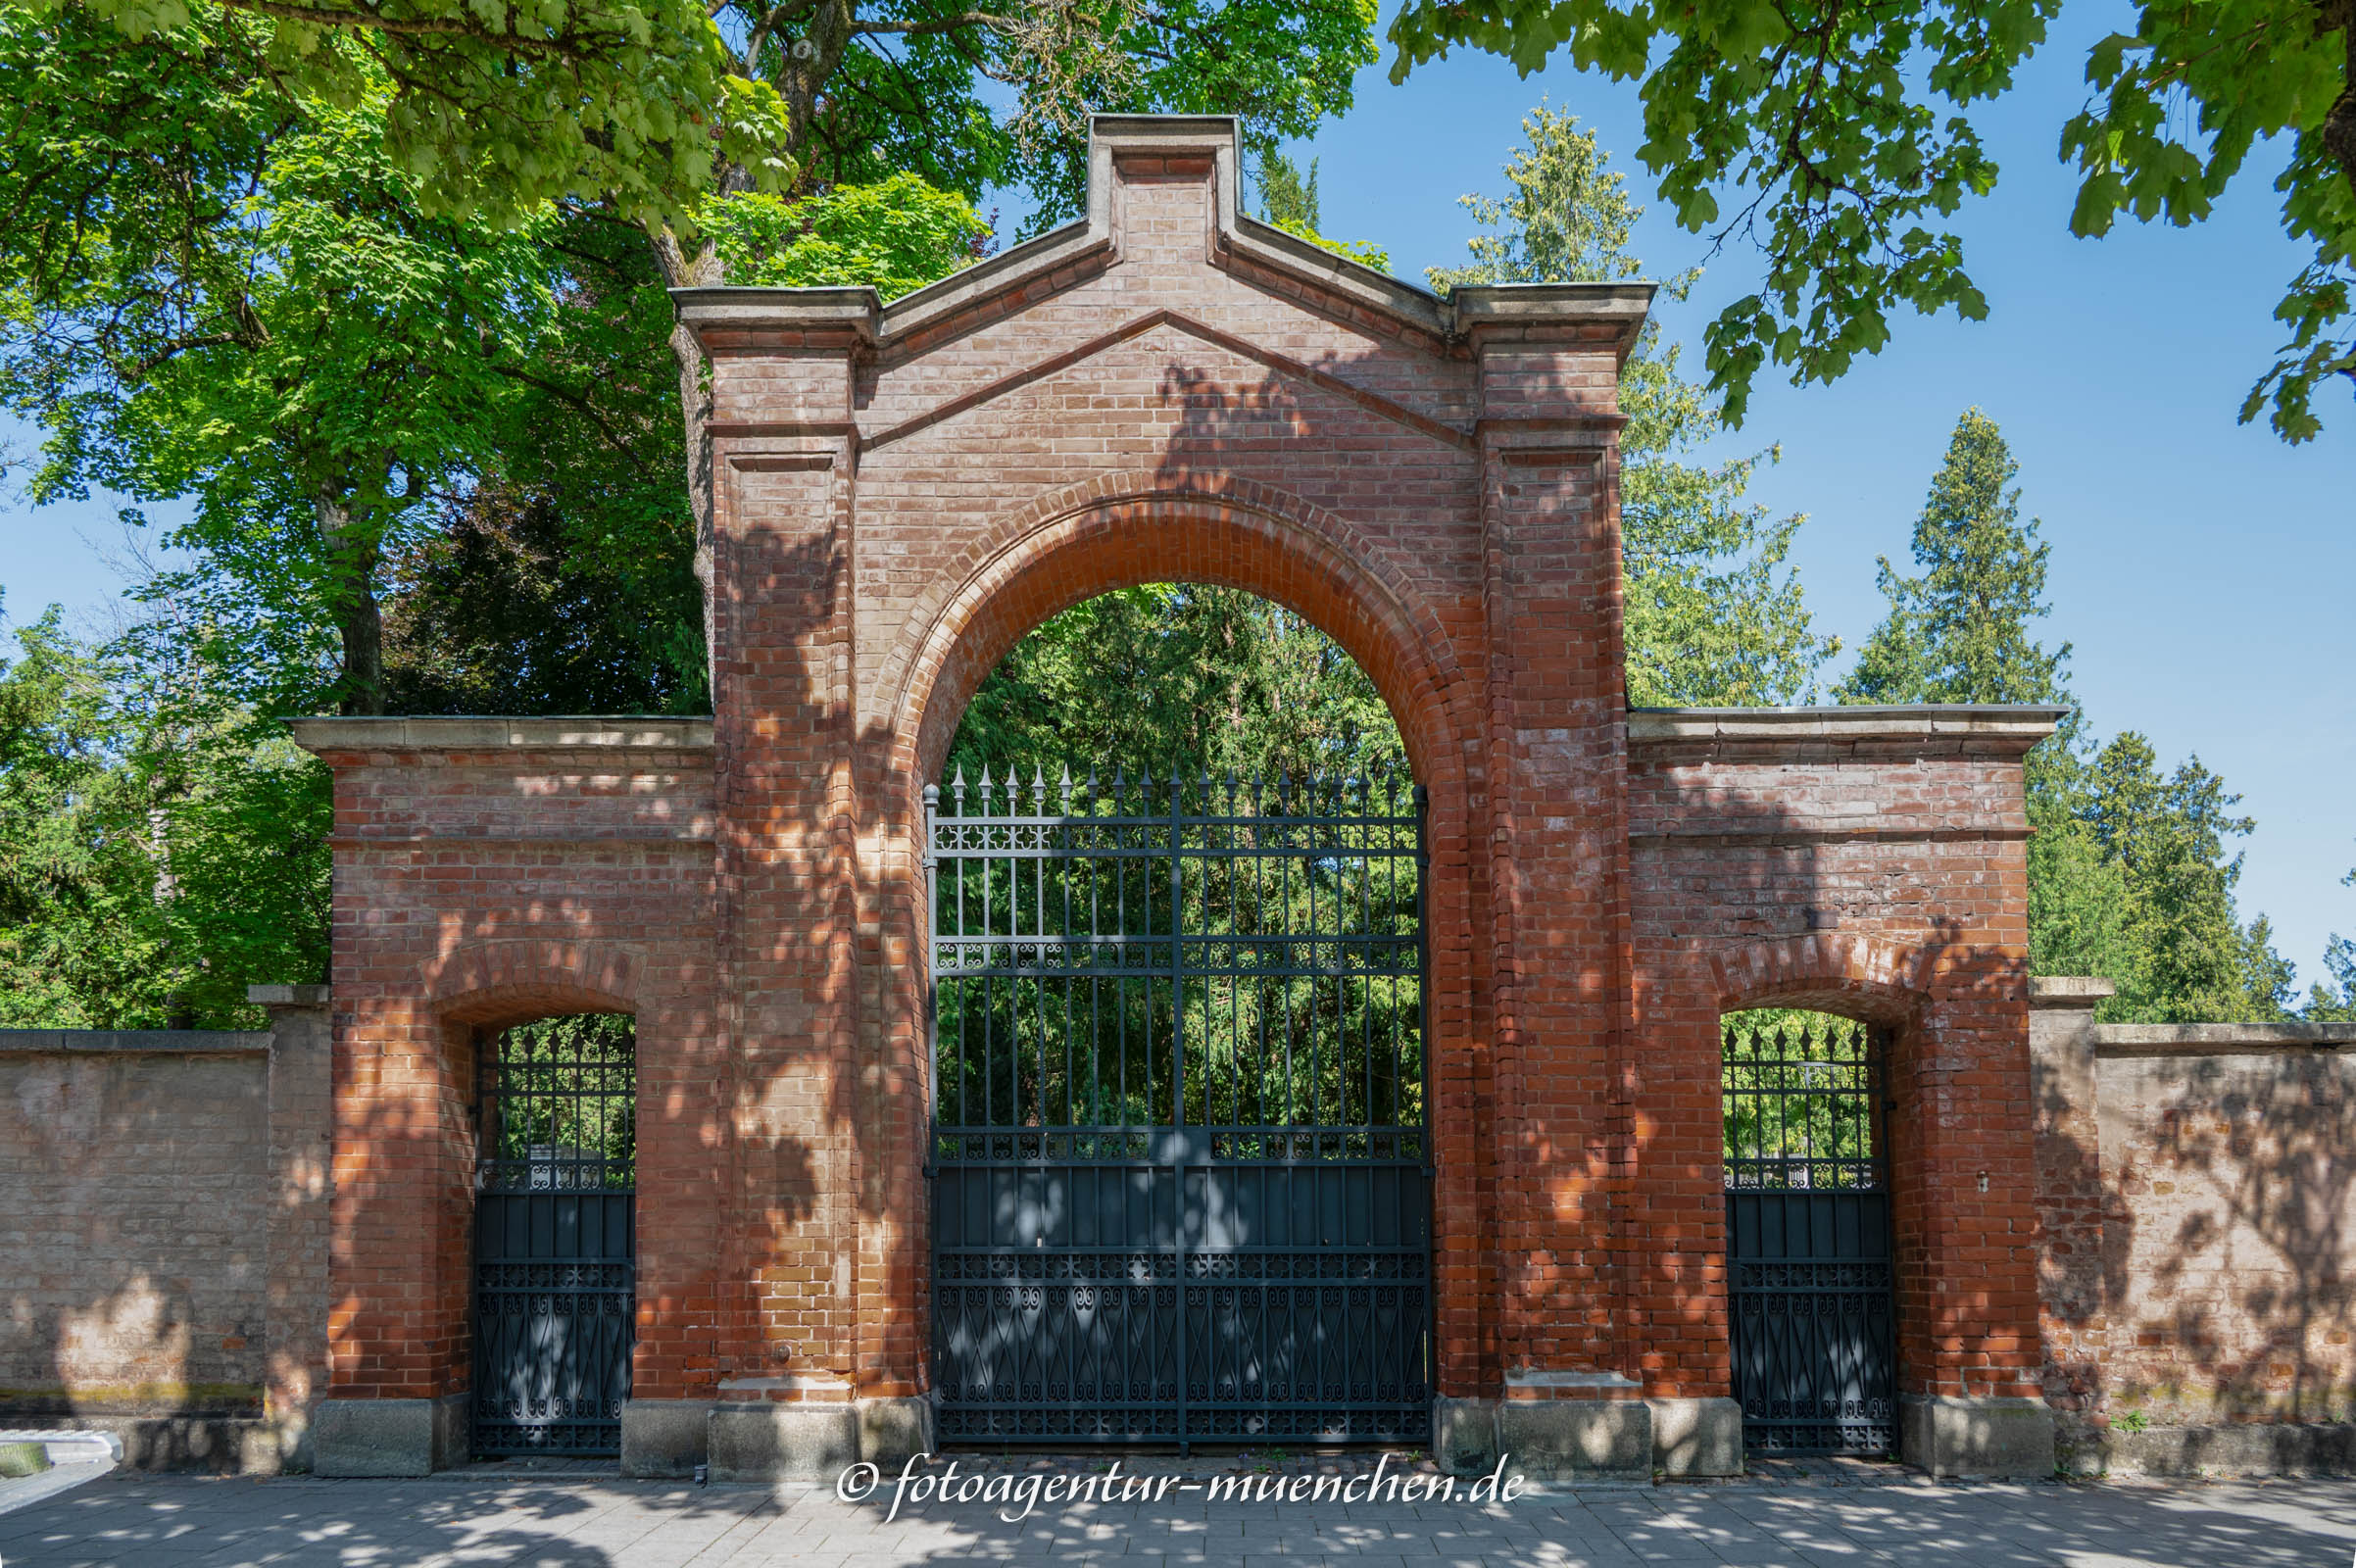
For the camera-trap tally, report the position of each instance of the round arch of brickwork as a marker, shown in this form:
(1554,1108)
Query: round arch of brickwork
(1141,526)
(494,985)
(1848,973)
(1138,526)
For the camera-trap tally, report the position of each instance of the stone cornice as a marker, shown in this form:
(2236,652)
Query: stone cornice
(2114,1040)
(1990,729)
(583,733)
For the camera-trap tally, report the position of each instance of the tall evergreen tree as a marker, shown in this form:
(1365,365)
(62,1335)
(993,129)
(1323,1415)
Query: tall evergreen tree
(2127,875)
(1714,615)
(1958,632)
(2191,961)
(2335,1000)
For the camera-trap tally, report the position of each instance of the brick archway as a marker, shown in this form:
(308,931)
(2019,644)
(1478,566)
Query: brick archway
(1169,390)
(1138,526)
(1850,973)
(1135,527)
(493,985)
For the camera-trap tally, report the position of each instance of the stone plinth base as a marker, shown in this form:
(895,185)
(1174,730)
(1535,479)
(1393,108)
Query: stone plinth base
(781,1442)
(1696,1437)
(664,1438)
(389,1436)
(1946,1436)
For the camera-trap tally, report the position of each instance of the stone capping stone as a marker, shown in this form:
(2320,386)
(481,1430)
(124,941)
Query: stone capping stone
(2059,992)
(572,732)
(734,312)
(288,996)
(136,1042)
(1974,728)
(1536,1385)
(2114,1040)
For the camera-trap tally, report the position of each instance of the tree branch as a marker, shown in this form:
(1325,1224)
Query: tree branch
(950,24)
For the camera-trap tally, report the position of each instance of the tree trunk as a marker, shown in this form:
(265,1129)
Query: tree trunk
(356,619)
(700,270)
(2339,123)
(827,29)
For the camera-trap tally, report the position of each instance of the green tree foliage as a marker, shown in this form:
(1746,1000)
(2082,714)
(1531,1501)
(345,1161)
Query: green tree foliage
(160,849)
(257,316)
(2190,958)
(1289,201)
(2335,1000)
(1840,139)
(1208,678)
(1713,615)
(497,109)
(898,235)
(561,579)
(1959,632)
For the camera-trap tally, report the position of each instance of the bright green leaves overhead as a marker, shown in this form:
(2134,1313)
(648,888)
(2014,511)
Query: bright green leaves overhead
(897,235)
(2180,105)
(1837,136)
(493,107)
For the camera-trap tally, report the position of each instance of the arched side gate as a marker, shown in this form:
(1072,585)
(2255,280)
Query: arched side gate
(556,1236)
(1811,1286)
(1180,1172)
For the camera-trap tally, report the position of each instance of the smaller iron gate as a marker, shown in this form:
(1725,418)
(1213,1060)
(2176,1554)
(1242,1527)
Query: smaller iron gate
(1808,1234)
(556,1236)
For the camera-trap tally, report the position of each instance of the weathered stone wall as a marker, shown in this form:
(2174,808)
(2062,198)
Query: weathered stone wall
(162,1235)
(2199,1199)
(134,1227)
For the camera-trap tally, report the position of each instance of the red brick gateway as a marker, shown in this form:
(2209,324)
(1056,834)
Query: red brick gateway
(1172,391)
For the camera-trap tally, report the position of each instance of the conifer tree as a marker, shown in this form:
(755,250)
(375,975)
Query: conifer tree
(1958,631)
(1714,613)
(2191,961)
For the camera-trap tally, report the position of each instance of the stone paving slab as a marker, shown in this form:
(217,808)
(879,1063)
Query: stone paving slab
(573,1521)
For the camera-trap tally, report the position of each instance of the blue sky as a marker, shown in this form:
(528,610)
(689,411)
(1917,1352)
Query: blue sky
(2201,569)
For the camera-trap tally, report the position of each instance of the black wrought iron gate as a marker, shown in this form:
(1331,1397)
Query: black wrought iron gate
(1808,1234)
(1180,1173)
(555,1237)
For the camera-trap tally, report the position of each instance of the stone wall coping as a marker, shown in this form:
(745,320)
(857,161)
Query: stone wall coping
(2069,990)
(135,1041)
(733,311)
(2217,1038)
(287,995)
(571,732)
(2006,724)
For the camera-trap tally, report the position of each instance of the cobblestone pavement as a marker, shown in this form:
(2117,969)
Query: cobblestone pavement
(1799,1517)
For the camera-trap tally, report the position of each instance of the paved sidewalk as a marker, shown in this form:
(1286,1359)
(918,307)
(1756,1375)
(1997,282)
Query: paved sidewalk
(174,1522)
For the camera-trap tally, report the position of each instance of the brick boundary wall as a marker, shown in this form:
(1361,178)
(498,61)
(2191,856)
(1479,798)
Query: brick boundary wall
(2198,1280)
(164,1229)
